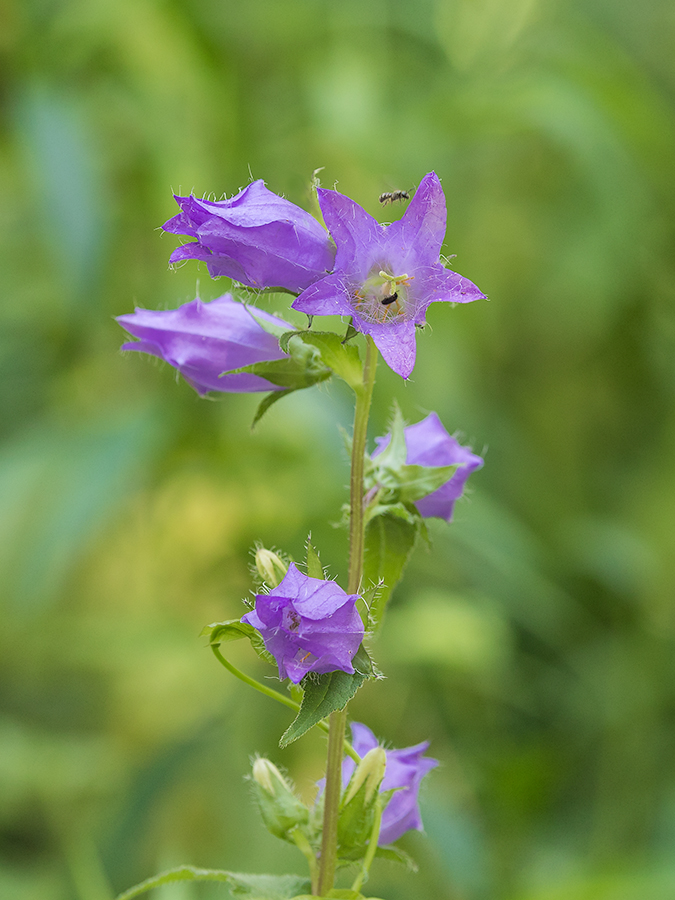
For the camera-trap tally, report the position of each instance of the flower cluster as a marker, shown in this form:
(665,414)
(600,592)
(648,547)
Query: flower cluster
(384,277)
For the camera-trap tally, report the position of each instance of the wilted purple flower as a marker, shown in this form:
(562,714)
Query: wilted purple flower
(429,444)
(202,340)
(385,277)
(308,625)
(255,237)
(405,769)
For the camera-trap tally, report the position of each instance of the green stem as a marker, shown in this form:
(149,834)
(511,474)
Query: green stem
(338,720)
(276,695)
(372,846)
(356,520)
(301,842)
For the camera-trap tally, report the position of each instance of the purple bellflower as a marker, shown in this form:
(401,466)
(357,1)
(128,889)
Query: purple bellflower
(308,625)
(405,770)
(385,277)
(429,444)
(255,237)
(203,340)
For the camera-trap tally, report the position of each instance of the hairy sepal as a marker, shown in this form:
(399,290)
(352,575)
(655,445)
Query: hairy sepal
(343,359)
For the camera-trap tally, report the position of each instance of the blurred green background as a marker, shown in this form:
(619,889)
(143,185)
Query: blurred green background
(534,645)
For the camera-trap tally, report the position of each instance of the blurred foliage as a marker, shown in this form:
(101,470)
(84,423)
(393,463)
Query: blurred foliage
(534,645)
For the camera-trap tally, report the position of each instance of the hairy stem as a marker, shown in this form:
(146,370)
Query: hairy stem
(338,719)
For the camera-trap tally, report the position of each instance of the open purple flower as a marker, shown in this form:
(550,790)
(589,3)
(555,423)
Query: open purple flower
(405,770)
(385,277)
(202,340)
(429,444)
(308,625)
(255,237)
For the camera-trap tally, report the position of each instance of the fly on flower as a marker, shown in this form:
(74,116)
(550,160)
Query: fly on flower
(386,276)
(392,196)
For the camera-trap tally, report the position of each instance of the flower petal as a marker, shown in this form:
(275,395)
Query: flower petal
(357,235)
(416,239)
(395,341)
(327,297)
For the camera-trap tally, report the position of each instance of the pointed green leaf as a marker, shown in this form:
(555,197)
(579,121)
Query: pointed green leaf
(394,854)
(267,401)
(342,358)
(288,372)
(251,887)
(323,694)
(389,542)
(267,887)
(235,630)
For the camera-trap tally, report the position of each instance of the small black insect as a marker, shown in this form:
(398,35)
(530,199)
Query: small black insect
(390,196)
(390,299)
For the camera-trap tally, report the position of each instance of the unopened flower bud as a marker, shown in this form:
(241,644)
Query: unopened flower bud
(370,771)
(281,810)
(271,568)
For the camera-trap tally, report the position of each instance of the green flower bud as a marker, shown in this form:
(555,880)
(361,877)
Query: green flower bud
(281,810)
(271,568)
(369,772)
(357,811)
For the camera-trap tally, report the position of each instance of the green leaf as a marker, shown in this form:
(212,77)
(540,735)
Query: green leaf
(235,630)
(267,887)
(267,401)
(288,372)
(252,887)
(336,894)
(323,694)
(389,542)
(341,359)
(314,567)
(394,854)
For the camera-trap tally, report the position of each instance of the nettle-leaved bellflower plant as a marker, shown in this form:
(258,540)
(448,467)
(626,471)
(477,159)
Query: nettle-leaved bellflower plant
(386,276)
(256,237)
(429,444)
(308,625)
(204,340)
(403,774)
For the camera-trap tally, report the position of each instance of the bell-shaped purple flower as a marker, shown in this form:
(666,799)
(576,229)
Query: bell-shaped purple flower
(255,237)
(385,277)
(203,340)
(308,625)
(405,770)
(429,444)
